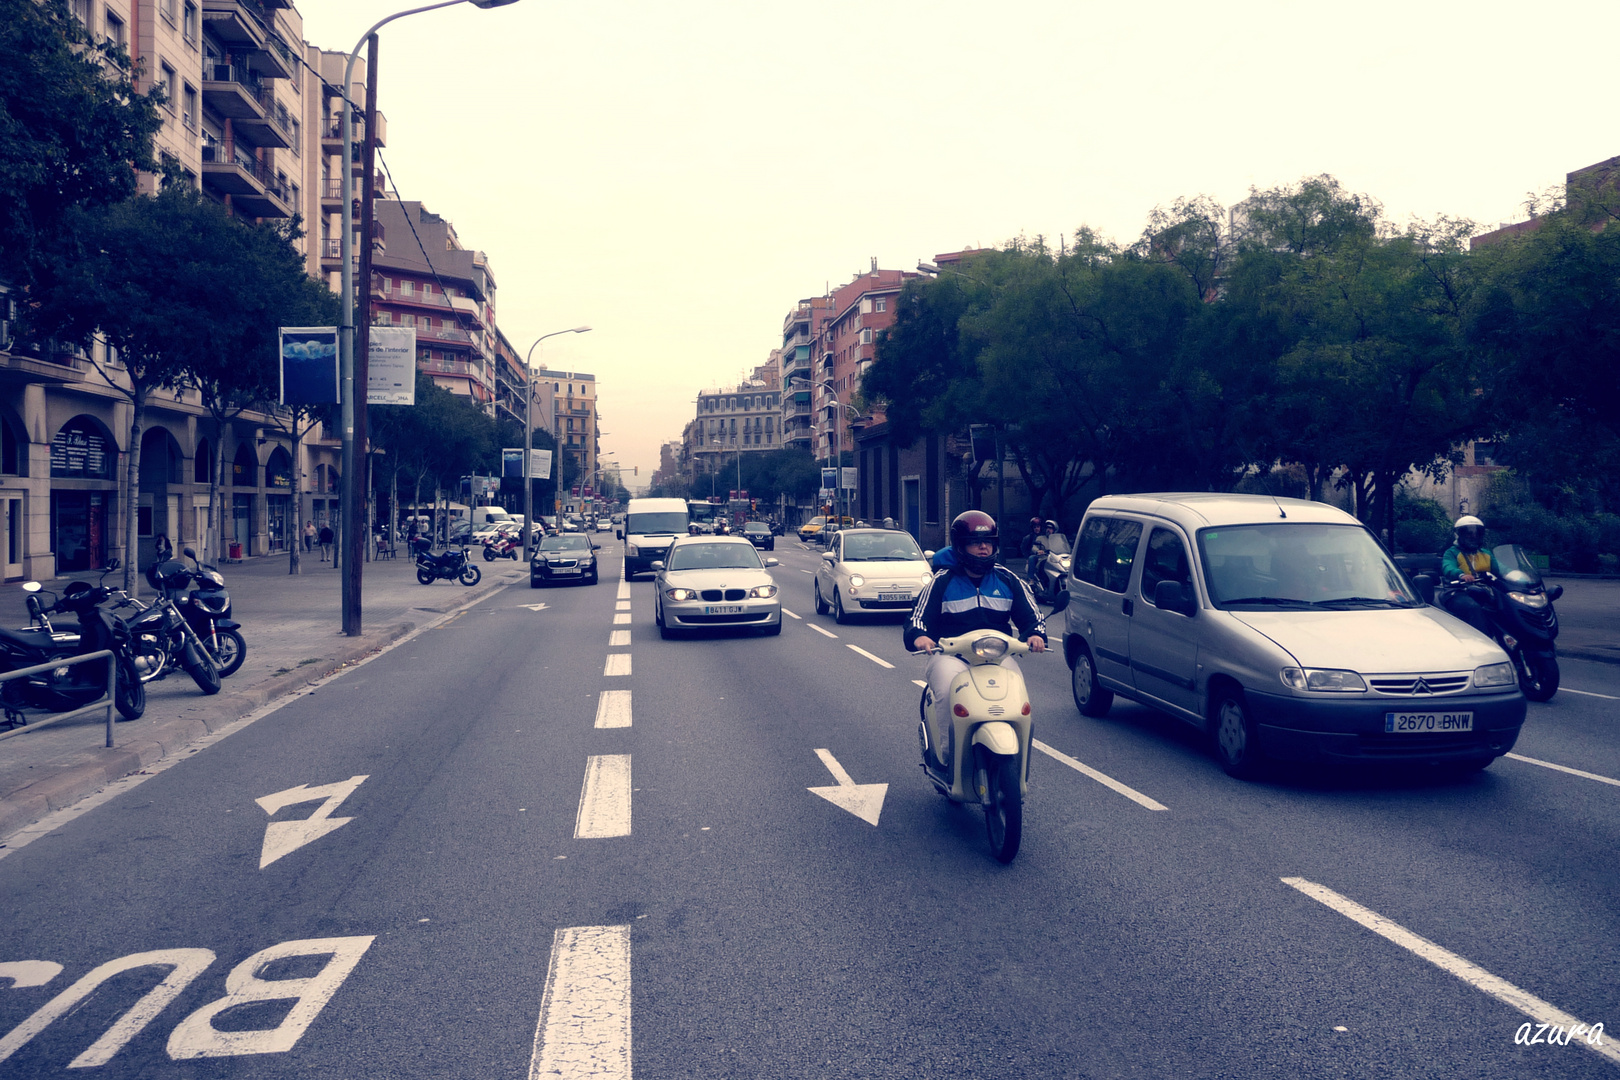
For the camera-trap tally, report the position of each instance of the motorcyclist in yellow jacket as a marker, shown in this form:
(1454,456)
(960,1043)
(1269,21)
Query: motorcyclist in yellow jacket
(1463,561)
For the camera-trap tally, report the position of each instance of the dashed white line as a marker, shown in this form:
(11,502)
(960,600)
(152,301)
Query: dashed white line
(1102,778)
(604,801)
(618,663)
(584,1027)
(919,682)
(1588,693)
(618,637)
(621,605)
(1563,768)
(613,709)
(802,570)
(819,630)
(1446,960)
(621,619)
(790,615)
(624,591)
(879,661)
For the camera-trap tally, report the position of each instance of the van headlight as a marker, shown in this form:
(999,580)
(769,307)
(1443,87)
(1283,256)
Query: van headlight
(1322,680)
(990,648)
(1495,675)
(762,592)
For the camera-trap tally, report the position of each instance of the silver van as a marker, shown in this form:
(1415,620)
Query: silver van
(1282,629)
(650,526)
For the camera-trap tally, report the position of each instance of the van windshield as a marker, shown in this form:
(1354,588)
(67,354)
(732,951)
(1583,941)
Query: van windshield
(1286,566)
(669,523)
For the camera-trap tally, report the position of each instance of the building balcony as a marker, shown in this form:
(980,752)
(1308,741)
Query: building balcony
(272,127)
(239,24)
(332,132)
(275,60)
(461,368)
(450,336)
(232,91)
(227,174)
(468,308)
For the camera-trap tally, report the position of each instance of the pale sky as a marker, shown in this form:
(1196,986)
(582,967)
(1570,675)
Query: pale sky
(678,175)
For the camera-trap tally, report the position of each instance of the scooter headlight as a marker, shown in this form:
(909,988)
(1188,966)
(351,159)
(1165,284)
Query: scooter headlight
(1529,599)
(1495,675)
(990,648)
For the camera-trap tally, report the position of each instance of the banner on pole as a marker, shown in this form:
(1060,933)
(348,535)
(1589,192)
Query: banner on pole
(391,370)
(309,365)
(540,464)
(512,463)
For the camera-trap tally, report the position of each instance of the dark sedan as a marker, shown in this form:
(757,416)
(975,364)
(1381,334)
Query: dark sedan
(759,534)
(570,557)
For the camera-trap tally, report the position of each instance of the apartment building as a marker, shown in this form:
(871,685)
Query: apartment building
(567,400)
(732,421)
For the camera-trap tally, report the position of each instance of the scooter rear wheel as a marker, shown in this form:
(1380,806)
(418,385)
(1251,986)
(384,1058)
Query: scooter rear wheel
(489,554)
(1001,791)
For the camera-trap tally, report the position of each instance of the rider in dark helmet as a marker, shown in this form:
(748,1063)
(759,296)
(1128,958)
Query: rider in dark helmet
(975,593)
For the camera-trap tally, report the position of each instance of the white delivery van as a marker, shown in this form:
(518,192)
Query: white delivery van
(650,526)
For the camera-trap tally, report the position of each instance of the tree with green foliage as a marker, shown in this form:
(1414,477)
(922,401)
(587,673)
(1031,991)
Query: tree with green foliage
(72,130)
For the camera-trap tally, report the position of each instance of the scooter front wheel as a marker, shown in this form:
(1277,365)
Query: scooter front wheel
(1538,677)
(200,666)
(1001,791)
(230,653)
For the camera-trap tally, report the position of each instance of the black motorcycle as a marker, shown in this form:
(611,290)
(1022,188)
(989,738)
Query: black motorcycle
(206,609)
(1519,608)
(71,686)
(451,564)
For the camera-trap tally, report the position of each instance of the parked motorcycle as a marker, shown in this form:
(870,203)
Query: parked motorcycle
(1519,608)
(451,565)
(75,685)
(206,610)
(976,741)
(502,545)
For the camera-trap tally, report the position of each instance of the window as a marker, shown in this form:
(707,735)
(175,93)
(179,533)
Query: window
(1166,561)
(881,304)
(404,287)
(188,107)
(115,30)
(167,7)
(188,25)
(81,11)
(165,83)
(1104,552)
(297,139)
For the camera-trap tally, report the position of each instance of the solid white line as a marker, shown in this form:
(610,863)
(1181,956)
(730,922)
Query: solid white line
(1588,693)
(604,801)
(1446,960)
(613,709)
(1563,768)
(790,615)
(1102,778)
(584,1027)
(819,630)
(621,619)
(876,660)
(618,663)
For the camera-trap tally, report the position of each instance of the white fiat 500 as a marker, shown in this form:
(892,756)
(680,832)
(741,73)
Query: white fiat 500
(870,571)
(714,583)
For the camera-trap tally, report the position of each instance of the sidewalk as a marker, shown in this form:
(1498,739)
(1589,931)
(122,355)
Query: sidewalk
(1588,618)
(292,626)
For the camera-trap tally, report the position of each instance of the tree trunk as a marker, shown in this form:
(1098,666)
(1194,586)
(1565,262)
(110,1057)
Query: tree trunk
(132,493)
(216,493)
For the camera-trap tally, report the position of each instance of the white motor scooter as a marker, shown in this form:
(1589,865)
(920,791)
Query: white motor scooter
(976,741)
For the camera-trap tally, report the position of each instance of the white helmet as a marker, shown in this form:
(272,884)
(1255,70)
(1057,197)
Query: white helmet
(1469,528)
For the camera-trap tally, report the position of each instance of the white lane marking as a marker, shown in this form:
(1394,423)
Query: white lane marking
(624,591)
(617,638)
(1446,960)
(613,709)
(618,663)
(534,607)
(919,682)
(819,630)
(865,801)
(879,661)
(1563,768)
(30,972)
(622,619)
(1588,693)
(604,801)
(584,1027)
(621,605)
(802,570)
(284,837)
(790,615)
(1102,778)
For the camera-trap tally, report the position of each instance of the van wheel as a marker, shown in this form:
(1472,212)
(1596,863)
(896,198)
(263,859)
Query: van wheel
(1090,698)
(1233,737)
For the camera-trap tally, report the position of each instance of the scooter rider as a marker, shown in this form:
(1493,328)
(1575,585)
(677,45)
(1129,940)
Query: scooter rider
(1463,561)
(1038,548)
(973,594)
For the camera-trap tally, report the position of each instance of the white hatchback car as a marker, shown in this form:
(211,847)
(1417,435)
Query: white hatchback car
(870,571)
(714,582)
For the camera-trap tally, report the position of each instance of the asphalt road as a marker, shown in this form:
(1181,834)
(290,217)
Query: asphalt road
(505,860)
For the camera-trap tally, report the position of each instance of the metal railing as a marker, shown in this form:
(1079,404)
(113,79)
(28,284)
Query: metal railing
(56,718)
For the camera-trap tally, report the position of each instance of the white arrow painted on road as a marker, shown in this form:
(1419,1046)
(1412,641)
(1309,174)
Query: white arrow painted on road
(865,801)
(534,607)
(283,837)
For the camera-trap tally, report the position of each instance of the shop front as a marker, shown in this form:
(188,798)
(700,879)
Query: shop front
(84,469)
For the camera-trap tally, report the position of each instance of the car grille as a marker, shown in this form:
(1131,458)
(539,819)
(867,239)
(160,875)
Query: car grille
(556,563)
(1420,683)
(712,595)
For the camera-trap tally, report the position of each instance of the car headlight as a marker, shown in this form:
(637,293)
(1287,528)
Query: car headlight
(631,549)
(856,581)
(990,648)
(1529,599)
(1322,680)
(925,579)
(681,594)
(762,592)
(1495,675)
(540,560)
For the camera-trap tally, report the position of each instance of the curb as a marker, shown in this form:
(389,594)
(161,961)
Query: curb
(28,804)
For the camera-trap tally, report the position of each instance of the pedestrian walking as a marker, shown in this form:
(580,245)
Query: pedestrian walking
(309,536)
(326,542)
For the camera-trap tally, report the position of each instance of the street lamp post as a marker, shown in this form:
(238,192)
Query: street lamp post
(353,404)
(528,437)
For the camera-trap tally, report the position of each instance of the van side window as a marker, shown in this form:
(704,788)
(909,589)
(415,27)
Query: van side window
(1104,551)
(1166,561)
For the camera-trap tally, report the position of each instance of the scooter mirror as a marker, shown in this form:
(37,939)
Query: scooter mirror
(1061,603)
(111,565)
(32,586)
(188,553)
(1555,592)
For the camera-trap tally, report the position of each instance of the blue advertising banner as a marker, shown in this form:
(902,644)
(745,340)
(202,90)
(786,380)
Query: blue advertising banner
(309,365)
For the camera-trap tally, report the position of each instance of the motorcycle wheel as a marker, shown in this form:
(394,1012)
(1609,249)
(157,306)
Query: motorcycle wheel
(200,666)
(129,696)
(1538,676)
(424,577)
(232,651)
(489,554)
(1002,794)
(471,575)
